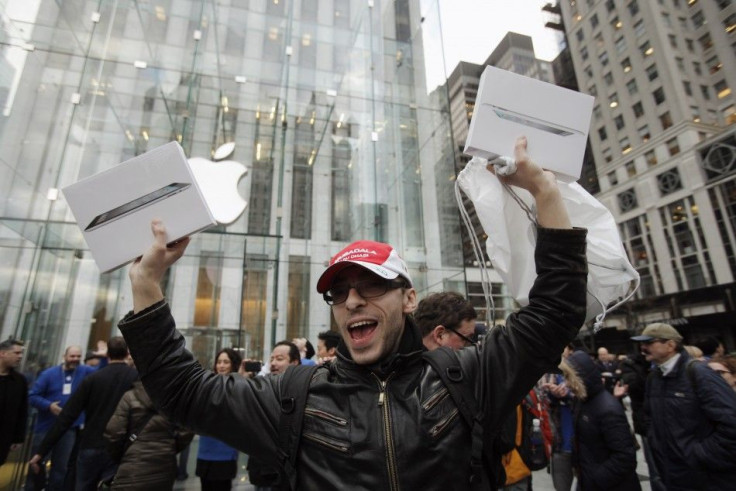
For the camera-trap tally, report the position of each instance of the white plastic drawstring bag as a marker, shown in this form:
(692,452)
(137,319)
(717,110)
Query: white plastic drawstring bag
(507,217)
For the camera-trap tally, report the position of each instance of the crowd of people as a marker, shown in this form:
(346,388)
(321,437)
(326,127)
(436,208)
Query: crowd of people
(403,395)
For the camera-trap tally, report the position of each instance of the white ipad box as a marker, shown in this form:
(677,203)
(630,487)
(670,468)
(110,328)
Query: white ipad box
(114,208)
(554,119)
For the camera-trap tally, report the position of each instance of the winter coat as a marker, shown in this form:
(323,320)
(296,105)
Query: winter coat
(150,461)
(634,372)
(388,426)
(604,446)
(692,431)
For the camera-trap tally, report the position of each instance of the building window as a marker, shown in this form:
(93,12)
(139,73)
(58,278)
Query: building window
(619,122)
(646,49)
(673,147)
(630,168)
(714,64)
(616,23)
(588,71)
(696,68)
(580,35)
(729,114)
(698,19)
(639,28)
(729,23)
(696,113)
(633,7)
(638,109)
(651,158)
(612,179)
(625,145)
(584,53)
(603,58)
(673,40)
(620,45)
(631,87)
(610,6)
(705,91)
(658,96)
(626,65)
(690,45)
(722,89)
(602,135)
(597,112)
(666,120)
(608,78)
(705,42)
(627,200)
(607,154)
(688,87)
(669,182)
(644,133)
(652,73)
(666,19)
(613,100)
(680,64)
(592,90)
(594,21)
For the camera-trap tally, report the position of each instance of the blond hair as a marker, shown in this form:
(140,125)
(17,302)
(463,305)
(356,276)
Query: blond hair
(573,380)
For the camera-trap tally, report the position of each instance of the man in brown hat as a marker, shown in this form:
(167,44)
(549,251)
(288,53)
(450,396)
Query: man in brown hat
(692,432)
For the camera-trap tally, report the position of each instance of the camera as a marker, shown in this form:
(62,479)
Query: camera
(252,366)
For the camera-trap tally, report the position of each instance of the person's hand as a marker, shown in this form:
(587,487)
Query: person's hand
(34,463)
(147,271)
(528,175)
(620,389)
(559,391)
(542,184)
(101,349)
(55,408)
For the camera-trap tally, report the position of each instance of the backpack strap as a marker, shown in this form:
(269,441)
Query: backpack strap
(444,361)
(293,390)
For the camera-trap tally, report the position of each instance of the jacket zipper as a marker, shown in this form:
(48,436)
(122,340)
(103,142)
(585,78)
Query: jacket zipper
(329,443)
(317,413)
(439,427)
(390,454)
(435,399)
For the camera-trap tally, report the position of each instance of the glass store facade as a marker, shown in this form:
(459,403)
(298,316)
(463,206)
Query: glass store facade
(326,103)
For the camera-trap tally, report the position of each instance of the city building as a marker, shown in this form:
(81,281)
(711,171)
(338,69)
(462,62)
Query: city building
(664,141)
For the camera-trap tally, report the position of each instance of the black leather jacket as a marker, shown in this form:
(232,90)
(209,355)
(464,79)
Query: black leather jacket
(391,426)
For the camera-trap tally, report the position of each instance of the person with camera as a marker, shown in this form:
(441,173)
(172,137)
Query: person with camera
(366,424)
(217,462)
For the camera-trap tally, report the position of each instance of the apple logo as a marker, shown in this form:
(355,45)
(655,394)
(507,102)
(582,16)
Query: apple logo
(218,182)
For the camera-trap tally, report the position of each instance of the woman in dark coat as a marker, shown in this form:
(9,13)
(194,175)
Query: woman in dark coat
(150,462)
(604,450)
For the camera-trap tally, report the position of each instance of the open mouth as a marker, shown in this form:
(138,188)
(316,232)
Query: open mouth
(360,332)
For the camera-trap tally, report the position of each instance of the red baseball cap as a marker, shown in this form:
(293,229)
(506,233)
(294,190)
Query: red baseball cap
(378,258)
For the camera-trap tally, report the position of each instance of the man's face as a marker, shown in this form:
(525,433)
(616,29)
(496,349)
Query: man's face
(658,350)
(322,351)
(452,340)
(280,359)
(371,327)
(72,357)
(12,357)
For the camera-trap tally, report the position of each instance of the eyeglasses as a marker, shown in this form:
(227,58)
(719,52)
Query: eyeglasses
(372,288)
(471,341)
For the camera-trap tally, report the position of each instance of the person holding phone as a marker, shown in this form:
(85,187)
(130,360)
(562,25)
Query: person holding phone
(217,463)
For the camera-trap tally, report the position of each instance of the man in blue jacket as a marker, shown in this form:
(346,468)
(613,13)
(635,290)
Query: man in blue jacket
(692,410)
(49,393)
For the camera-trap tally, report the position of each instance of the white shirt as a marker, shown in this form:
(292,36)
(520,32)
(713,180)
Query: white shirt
(667,366)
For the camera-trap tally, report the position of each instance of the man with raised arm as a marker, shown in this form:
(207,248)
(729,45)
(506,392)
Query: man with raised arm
(376,416)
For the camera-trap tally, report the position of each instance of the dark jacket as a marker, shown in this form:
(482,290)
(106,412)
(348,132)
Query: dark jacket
(389,426)
(97,395)
(692,431)
(13,411)
(634,372)
(604,446)
(150,462)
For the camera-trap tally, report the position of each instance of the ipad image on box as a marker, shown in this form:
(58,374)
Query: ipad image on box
(114,208)
(131,206)
(555,121)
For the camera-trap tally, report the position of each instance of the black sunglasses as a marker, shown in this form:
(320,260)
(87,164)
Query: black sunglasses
(470,340)
(372,288)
